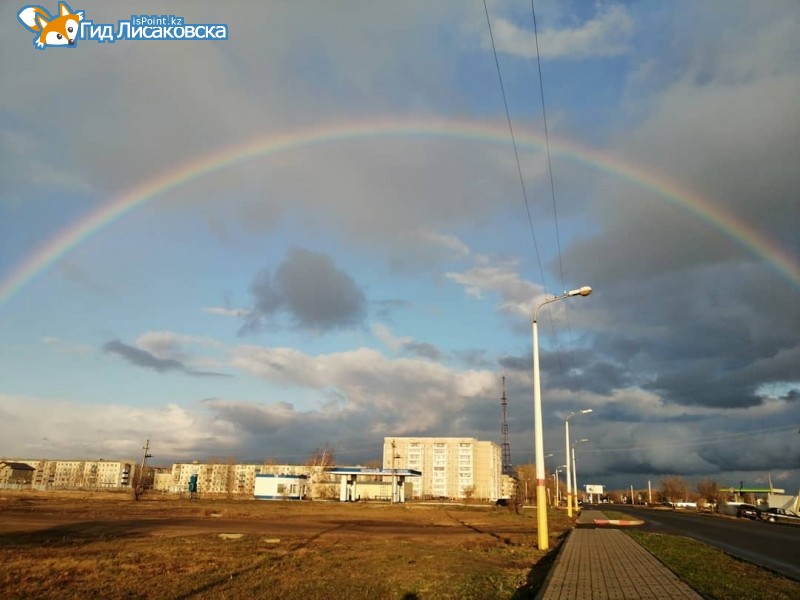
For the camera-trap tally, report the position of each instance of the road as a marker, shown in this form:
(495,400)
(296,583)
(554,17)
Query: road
(765,544)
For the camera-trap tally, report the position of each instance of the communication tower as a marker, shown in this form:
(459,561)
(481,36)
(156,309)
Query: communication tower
(508,468)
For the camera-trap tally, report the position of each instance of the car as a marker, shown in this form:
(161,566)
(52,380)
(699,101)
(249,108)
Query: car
(748,511)
(780,515)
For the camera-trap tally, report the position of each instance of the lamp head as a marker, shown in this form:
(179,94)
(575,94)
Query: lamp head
(582,291)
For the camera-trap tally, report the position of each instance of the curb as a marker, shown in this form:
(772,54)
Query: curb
(618,522)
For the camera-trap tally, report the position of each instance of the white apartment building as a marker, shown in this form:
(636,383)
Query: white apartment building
(237,479)
(217,478)
(87,474)
(451,467)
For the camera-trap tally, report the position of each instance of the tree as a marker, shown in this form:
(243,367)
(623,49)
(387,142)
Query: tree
(518,501)
(526,478)
(709,491)
(674,488)
(230,477)
(319,460)
(469,493)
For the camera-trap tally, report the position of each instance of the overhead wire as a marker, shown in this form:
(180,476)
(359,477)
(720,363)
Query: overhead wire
(516,151)
(553,197)
(522,182)
(703,440)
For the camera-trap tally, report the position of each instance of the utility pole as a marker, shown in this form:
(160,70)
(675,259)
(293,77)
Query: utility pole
(395,456)
(138,489)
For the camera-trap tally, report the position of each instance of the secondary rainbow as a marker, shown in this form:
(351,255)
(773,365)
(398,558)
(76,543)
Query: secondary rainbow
(487,132)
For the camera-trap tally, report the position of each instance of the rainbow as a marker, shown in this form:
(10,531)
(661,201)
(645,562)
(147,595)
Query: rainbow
(487,132)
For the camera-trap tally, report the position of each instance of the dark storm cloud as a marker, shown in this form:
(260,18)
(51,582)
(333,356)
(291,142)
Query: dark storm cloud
(311,290)
(792,396)
(146,360)
(708,337)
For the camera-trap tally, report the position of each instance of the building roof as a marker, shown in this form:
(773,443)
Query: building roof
(17,466)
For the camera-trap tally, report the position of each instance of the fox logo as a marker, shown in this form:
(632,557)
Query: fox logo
(51,31)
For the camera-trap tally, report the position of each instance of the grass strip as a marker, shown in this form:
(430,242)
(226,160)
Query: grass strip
(714,574)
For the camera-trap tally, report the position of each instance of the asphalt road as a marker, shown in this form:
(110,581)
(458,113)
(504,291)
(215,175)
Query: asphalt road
(765,544)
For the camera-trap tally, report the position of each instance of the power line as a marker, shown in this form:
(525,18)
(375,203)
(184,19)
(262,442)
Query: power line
(516,152)
(552,194)
(547,146)
(704,440)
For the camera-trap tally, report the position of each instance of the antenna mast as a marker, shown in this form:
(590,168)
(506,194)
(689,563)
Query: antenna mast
(508,468)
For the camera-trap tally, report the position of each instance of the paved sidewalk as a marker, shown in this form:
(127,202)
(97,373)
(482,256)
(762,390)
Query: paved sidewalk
(605,563)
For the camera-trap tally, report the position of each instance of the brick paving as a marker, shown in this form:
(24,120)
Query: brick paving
(604,564)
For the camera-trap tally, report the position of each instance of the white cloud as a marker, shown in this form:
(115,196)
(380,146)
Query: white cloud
(61,428)
(455,248)
(420,392)
(517,296)
(384,334)
(605,35)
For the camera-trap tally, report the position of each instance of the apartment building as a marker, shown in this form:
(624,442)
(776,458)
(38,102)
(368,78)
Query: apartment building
(238,479)
(455,468)
(87,474)
(16,473)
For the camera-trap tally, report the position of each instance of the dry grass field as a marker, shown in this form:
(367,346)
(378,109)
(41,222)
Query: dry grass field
(107,546)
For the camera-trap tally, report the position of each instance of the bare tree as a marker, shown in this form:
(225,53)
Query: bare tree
(230,477)
(709,491)
(518,500)
(469,493)
(319,460)
(526,476)
(674,488)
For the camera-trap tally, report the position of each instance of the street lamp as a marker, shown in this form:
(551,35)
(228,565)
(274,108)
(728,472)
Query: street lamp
(575,471)
(538,436)
(555,479)
(566,451)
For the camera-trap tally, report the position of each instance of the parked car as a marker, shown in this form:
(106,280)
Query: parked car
(748,511)
(780,515)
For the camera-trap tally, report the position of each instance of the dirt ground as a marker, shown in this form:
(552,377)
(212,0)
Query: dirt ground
(164,547)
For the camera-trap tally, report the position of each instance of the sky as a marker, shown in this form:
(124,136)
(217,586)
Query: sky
(317,233)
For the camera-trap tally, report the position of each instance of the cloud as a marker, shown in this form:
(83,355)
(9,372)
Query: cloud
(147,360)
(517,296)
(405,344)
(605,35)
(311,290)
(170,345)
(415,394)
(62,428)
